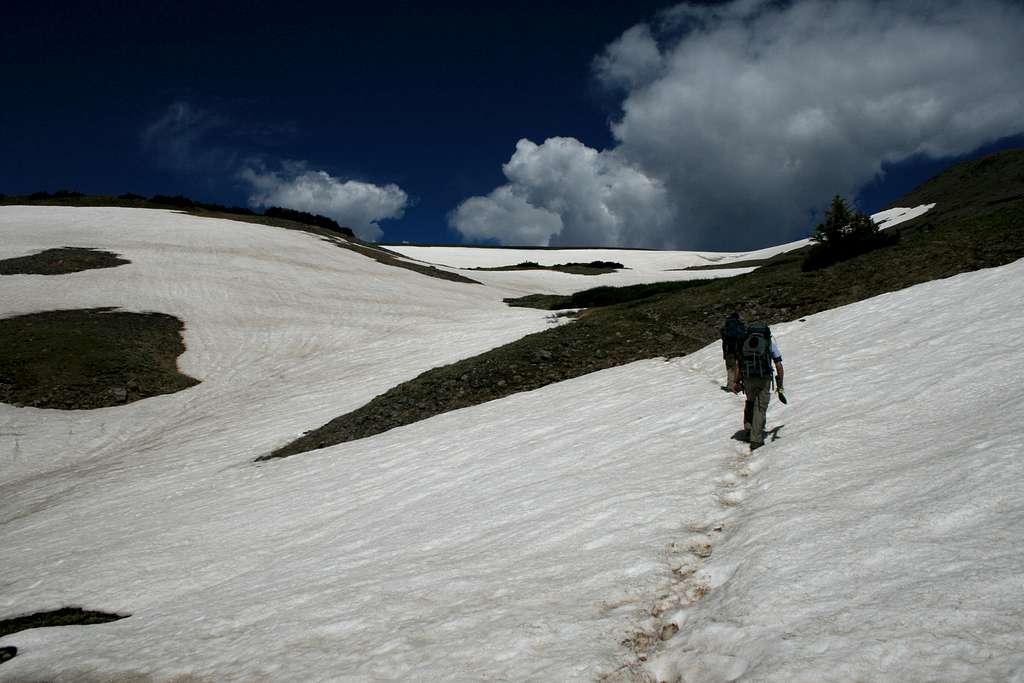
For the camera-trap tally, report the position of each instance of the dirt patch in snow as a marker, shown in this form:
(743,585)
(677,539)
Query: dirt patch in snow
(60,262)
(89,358)
(67,616)
(591,268)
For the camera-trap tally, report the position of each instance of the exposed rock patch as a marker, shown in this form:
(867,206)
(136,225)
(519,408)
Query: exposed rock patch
(591,268)
(67,616)
(89,358)
(60,262)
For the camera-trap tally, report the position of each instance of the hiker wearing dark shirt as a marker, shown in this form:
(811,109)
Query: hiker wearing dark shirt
(760,362)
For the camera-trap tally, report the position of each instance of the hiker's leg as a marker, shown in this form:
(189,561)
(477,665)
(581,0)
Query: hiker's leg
(730,371)
(748,409)
(761,393)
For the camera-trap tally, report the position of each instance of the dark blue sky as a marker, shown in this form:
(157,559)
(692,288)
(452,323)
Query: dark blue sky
(430,96)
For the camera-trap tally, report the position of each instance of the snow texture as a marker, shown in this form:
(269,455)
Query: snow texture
(875,537)
(642,266)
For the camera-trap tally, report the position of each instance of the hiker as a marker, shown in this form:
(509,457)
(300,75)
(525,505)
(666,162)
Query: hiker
(754,374)
(733,332)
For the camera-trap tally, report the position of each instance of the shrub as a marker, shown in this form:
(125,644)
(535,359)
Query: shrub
(308,218)
(179,201)
(599,264)
(182,202)
(843,234)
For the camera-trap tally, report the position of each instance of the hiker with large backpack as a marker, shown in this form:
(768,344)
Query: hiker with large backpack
(759,364)
(733,332)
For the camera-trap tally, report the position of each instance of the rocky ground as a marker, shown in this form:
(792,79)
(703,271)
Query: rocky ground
(89,358)
(60,261)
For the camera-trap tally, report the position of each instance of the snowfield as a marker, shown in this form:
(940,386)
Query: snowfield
(641,266)
(877,537)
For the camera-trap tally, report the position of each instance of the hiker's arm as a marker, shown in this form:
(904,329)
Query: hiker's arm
(778,373)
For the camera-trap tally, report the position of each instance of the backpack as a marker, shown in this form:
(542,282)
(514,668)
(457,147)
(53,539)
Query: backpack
(755,353)
(733,333)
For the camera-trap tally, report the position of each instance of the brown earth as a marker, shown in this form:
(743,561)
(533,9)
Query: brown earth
(60,262)
(89,358)
(67,616)
(593,268)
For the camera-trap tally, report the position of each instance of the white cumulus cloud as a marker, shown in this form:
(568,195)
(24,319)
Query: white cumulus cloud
(565,193)
(739,119)
(355,204)
(506,215)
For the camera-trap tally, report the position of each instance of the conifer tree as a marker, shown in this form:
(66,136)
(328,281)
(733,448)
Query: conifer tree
(835,227)
(843,234)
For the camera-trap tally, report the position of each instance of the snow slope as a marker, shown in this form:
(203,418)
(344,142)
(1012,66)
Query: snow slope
(642,266)
(878,537)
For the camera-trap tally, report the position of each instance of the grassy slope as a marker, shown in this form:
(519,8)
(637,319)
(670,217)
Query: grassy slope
(978,223)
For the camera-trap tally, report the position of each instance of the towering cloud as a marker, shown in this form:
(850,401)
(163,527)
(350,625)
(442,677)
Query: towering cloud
(739,119)
(565,193)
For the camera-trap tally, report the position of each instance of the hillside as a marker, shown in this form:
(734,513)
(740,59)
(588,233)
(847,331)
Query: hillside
(978,222)
(600,528)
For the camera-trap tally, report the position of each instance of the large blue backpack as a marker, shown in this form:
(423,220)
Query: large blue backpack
(755,353)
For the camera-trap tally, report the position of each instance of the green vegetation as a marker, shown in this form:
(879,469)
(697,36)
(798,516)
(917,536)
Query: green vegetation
(843,234)
(309,219)
(978,223)
(89,358)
